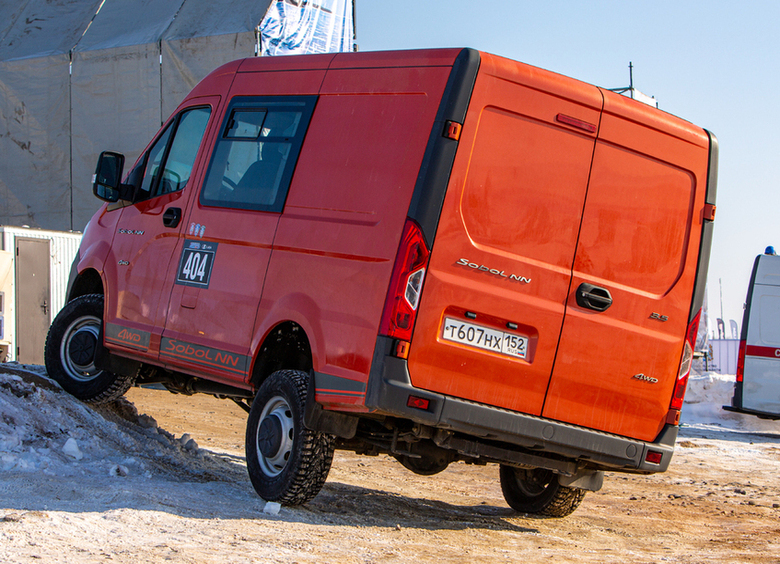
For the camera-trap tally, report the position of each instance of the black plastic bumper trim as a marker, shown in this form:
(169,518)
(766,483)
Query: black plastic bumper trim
(389,387)
(759,414)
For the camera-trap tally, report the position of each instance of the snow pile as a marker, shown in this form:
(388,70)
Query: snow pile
(707,394)
(45,431)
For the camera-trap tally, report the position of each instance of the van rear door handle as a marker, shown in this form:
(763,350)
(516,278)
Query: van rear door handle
(172,217)
(593,297)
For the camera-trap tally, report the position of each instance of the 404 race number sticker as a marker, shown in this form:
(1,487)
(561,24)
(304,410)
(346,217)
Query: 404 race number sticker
(197,260)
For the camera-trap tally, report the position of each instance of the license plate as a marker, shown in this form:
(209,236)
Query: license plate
(484,338)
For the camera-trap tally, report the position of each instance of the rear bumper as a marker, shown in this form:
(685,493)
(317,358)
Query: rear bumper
(389,388)
(759,414)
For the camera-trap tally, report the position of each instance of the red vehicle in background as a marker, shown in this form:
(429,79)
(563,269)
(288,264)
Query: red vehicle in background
(441,255)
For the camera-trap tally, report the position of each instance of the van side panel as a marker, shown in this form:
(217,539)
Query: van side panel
(761,379)
(339,233)
(640,237)
(507,235)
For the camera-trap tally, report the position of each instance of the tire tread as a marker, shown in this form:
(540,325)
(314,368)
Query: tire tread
(554,501)
(316,449)
(115,384)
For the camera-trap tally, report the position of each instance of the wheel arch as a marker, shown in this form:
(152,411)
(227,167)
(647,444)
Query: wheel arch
(299,319)
(286,346)
(88,281)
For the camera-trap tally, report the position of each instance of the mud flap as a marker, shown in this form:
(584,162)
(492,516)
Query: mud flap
(317,419)
(590,480)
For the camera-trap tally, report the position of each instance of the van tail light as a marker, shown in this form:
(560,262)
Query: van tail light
(741,361)
(685,364)
(403,296)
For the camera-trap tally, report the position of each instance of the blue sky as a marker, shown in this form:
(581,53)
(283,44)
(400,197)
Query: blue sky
(712,63)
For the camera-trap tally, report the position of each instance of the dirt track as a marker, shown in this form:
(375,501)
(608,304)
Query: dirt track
(719,502)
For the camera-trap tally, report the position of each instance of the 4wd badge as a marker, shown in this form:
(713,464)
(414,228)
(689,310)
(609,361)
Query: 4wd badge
(197,260)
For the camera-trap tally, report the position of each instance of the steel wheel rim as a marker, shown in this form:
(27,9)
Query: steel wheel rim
(78,348)
(533,483)
(275,436)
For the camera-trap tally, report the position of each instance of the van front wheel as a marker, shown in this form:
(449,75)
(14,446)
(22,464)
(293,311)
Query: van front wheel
(71,345)
(537,491)
(287,462)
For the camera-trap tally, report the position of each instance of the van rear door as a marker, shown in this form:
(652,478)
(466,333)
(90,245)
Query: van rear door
(616,369)
(498,278)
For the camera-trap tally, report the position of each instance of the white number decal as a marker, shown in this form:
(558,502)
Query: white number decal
(201,270)
(188,266)
(195,265)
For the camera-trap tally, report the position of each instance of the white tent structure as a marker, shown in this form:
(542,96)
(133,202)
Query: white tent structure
(81,76)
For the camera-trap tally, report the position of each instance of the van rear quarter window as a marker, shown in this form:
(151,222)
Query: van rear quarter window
(256,154)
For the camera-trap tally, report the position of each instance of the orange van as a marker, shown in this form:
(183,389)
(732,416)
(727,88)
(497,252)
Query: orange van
(441,255)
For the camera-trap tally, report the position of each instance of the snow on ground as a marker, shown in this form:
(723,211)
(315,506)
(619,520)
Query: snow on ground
(707,394)
(86,484)
(45,432)
(49,441)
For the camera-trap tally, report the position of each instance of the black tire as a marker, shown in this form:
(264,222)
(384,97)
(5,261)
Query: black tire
(537,491)
(71,345)
(287,462)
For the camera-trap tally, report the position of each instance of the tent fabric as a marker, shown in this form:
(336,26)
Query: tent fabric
(203,18)
(35,142)
(115,107)
(46,27)
(204,36)
(81,76)
(9,13)
(187,61)
(121,23)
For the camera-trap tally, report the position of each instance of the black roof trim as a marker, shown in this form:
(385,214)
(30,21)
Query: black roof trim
(431,185)
(706,233)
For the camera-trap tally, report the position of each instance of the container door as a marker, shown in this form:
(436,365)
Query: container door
(147,232)
(761,379)
(494,295)
(631,291)
(33,299)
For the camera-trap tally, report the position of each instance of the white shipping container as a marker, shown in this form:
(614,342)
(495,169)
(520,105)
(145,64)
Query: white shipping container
(62,249)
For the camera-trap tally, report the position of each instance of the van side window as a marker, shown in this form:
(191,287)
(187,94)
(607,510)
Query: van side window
(170,161)
(256,154)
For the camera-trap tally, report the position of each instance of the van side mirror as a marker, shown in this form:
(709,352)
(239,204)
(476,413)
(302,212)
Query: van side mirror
(107,180)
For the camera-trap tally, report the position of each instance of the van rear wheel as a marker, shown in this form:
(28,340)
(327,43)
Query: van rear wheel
(537,491)
(287,462)
(71,346)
